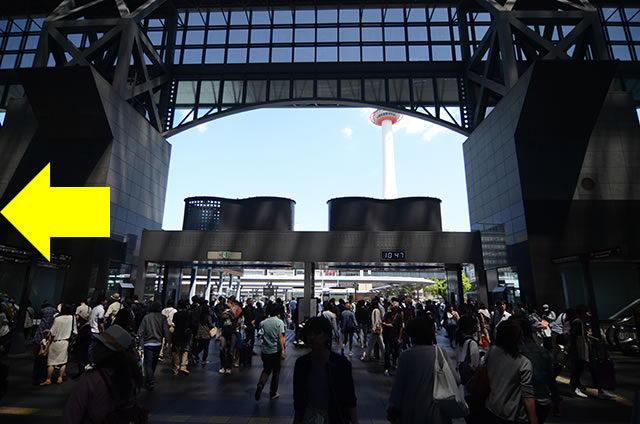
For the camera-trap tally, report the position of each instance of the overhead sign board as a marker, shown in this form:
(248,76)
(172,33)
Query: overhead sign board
(224,255)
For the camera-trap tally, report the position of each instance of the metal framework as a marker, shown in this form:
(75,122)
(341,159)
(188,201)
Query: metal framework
(184,63)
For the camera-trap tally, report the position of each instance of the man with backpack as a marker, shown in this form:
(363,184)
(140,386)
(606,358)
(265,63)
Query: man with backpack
(227,340)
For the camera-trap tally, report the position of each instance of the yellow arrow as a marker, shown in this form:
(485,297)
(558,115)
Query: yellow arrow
(40,212)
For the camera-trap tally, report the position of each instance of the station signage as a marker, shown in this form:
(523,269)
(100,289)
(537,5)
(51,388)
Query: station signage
(224,255)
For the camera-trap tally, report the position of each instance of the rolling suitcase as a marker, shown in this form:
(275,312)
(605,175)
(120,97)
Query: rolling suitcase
(246,355)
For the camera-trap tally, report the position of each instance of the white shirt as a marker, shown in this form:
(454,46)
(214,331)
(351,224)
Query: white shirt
(96,314)
(169,313)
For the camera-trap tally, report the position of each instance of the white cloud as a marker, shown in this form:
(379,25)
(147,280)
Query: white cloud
(202,127)
(412,126)
(347,132)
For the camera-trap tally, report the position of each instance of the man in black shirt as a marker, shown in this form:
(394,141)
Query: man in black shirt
(180,339)
(249,313)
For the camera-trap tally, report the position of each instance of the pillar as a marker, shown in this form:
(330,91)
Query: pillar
(207,291)
(192,282)
(455,290)
(390,188)
(309,286)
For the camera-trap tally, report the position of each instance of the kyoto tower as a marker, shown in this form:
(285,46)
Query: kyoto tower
(386,119)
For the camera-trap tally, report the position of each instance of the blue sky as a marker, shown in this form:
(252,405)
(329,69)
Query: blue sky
(312,155)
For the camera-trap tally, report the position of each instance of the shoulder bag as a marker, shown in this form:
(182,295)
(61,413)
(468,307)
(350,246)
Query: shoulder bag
(446,393)
(478,384)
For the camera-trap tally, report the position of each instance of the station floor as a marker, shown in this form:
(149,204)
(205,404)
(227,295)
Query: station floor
(208,397)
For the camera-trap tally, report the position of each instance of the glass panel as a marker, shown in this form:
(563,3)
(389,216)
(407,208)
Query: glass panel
(349,15)
(186,92)
(372,54)
(192,56)
(440,33)
(281,54)
(633,15)
(417,15)
(305,35)
(282,35)
(441,53)
(32,42)
(448,90)
(238,36)
(194,37)
(214,56)
(282,17)
(260,17)
(327,89)
(616,33)
(327,35)
(394,34)
(423,91)
(399,90)
(395,53)
(237,55)
(480,31)
(349,34)
(13,43)
(371,15)
(218,36)
(619,52)
(303,89)
(372,34)
(239,17)
(279,90)
(260,36)
(328,54)
(304,54)
(232,92)
(256,91)
(374,90)
(349,54)
(209,91)
(196,19)
(439,14)
(27,60)
(327,16)
(350,89)
(611,15)
(154,36)
(218,18)
(259,55)
(305,16)
(417,33)
(394,15)
(418,53)
(19,25)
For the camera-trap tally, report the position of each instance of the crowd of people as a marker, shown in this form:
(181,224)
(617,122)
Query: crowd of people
(116,344)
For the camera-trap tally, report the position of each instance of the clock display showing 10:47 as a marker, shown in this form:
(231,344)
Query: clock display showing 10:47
(393,255)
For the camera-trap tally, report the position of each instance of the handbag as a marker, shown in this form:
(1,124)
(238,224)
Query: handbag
(45,344)
(478,385)
(446,393)
(464,367)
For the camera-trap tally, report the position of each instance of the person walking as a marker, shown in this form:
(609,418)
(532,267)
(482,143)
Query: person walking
(273,352)
(181,339)
(468,361)
(498,316)
(363,317)
(105,393)
(63,328)
(511,397)
(411,400)
(580,350)
(323,391)
(392,333)
(331,316)
(349,327)
(203,335)
(451,322)
(96,321)
(227,340)
(114,308)
(376,331)
(151,333)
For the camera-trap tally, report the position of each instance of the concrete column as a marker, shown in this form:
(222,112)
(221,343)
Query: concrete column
(207,291)
(192,284)
(165,285)
(390,187)
(309,286)
(179,286)
(455,290)
(220,279)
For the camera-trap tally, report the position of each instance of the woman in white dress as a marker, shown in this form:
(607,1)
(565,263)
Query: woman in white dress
(61,331)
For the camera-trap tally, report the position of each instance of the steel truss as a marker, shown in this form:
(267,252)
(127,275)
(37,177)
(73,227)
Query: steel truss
(110,36)
(518,37)
(116,47)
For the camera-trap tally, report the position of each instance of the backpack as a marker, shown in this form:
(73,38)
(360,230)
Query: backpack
(228,323)
(464,368)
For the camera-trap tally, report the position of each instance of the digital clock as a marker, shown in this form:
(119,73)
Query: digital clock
(393,255)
